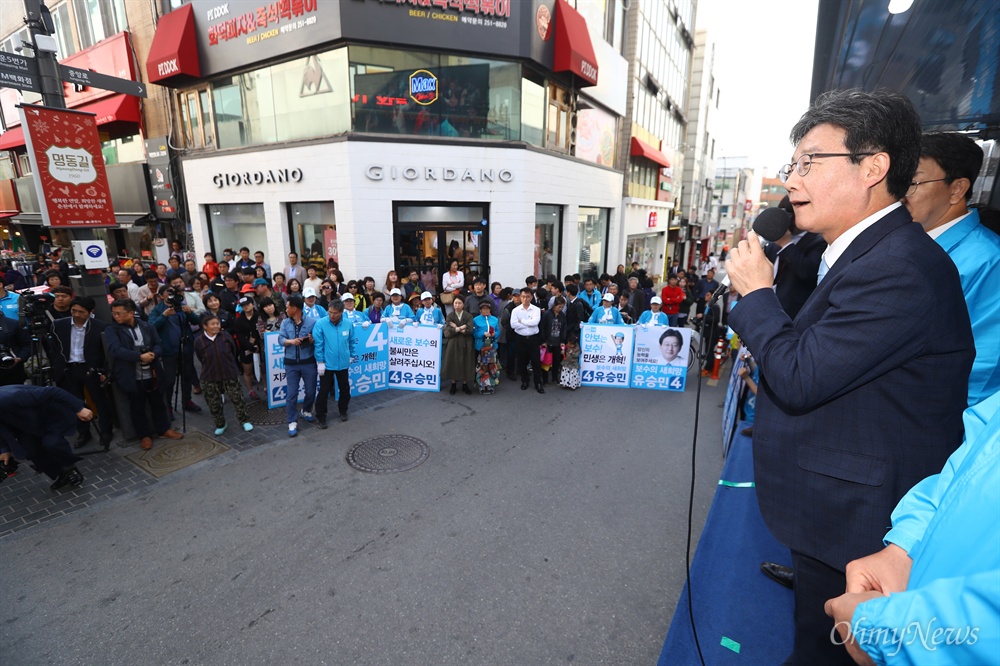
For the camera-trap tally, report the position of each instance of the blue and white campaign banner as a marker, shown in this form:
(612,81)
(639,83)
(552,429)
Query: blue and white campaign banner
(660,360)
(731,407)
(415,358)
(605,355)
(369,374)
(274,362)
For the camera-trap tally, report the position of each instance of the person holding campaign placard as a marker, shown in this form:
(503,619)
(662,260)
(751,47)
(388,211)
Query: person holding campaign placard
(654,316)
(607,313)
(351,314)
(397,313)
(428,314)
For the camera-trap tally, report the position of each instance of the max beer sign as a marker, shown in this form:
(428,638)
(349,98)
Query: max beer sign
(423,87)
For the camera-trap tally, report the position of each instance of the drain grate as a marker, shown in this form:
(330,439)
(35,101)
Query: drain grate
(388,454)
(261,415)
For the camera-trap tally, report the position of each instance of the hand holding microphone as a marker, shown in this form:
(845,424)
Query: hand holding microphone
(747,268)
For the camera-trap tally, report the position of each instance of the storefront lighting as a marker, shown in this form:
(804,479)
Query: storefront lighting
(899,6)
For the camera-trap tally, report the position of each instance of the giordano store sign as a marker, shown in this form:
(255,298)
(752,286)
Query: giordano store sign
(379,172)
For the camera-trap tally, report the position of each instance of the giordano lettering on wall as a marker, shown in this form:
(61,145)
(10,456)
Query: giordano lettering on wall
(379,172)
(257,177)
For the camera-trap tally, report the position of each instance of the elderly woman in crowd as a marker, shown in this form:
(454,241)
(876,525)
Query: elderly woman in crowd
(213,306)
(217,351)
(485,332)
(459,361)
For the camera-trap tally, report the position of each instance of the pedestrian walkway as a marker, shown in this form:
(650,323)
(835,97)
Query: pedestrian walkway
(26,501)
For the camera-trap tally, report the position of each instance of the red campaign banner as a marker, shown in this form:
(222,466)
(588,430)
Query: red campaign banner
(68,167)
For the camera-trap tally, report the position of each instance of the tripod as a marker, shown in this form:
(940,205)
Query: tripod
(41,367)
(179,382)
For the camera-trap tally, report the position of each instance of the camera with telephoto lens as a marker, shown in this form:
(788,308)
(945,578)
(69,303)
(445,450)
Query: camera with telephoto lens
(94,372)
(174,299)
(8,468)
(142,349)
(7,358)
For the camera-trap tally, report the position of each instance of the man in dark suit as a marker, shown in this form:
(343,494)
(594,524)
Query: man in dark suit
(862,395)
(78,363)
(796,257)
(16,338)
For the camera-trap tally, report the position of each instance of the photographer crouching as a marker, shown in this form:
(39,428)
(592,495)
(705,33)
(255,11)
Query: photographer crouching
(79,363)
(134,348)
(173,318)
(33,423)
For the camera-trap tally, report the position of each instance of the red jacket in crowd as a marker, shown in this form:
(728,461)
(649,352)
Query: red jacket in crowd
(672,298)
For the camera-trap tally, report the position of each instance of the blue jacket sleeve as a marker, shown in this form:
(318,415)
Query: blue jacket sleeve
(353,343)
(645,317)
(949,621)
(319,343)
(914,512)
(156,317)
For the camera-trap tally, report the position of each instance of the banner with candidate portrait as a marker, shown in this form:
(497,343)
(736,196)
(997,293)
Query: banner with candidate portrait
(606,355)
(661,357)
(415,358)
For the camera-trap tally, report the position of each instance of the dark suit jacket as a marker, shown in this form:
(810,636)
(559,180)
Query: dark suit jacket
(123,356)
(797,271)
(93,345)
(862,396)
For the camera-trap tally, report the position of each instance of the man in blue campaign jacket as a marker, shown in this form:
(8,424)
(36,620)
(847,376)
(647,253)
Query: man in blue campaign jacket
(296,337)
(336,344)
(933,594)
(608,313)
(949,164)
(654,316)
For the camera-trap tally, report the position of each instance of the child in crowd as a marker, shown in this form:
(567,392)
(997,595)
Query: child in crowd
(569,376)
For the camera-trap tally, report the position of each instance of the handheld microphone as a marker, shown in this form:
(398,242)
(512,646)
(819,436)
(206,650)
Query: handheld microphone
(772,224)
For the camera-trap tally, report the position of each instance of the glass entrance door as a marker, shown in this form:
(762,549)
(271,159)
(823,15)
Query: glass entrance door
(428,238)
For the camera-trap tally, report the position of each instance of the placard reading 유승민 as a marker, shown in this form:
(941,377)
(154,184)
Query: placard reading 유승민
(606,355)
(661,358)
(415,358)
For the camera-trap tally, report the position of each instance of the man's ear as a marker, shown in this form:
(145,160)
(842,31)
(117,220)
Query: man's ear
(957,190)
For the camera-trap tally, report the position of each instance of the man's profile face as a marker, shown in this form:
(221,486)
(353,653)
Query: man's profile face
(833,196)
(670,348)
(123,277)
(930,203)
(123,316)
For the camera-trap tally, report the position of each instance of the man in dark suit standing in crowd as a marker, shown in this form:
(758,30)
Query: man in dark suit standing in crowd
(78,363)
(862,395)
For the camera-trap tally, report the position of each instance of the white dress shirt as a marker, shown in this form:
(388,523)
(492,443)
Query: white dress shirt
(76,337)
(936,232)
(525,321)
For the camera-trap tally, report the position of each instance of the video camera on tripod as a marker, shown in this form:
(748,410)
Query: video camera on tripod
(36,311)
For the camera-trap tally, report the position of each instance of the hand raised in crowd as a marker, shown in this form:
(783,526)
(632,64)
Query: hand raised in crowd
(748,268)
(85,414)
(169,312)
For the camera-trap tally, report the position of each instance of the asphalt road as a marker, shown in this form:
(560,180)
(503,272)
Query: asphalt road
(541,530)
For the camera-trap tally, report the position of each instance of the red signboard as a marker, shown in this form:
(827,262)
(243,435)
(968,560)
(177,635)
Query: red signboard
(68,167)
(652,219)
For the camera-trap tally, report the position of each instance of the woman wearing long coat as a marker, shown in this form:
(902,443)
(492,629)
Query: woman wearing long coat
(459,363)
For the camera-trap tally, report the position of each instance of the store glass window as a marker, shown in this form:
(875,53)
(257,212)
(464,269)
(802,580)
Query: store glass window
(314,231)
(97,20)
(596,136)
(548,222)
(533,109)
(407,92)
(559,117)
(642,248)
(64,30)
(237,225)
(592,235)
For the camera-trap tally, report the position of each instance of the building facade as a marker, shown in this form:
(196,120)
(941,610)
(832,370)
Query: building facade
(658,47)
(772,191)
(733,204)
(695,236)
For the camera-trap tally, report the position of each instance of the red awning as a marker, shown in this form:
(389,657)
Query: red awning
(116,109)
(12,138)
(573,50)
(173,55)
(642,149)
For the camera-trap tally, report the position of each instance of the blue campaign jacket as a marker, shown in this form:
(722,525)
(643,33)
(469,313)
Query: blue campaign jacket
(598,315)
(402,311)
(429,316)
(593,299)
(355,317)
(976,252)
(480,325)
(336,344)
(948,523)
(647,317)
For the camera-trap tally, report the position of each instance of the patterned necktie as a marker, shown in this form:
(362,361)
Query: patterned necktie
(823,269)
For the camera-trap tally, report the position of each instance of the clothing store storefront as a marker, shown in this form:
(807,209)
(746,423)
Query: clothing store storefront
(377,206)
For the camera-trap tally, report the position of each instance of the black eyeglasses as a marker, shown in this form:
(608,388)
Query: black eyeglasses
(804,163)
(915,184)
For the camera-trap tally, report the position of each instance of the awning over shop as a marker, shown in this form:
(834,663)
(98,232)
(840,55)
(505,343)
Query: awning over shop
(642,149)
(574,51)
(173,56)
(12,138)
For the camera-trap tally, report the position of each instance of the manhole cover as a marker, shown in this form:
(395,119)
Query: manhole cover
(261,415)
(387,454)
(169,456)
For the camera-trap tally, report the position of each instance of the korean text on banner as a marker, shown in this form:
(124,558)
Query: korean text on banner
(415,358)
(370,374)
(274,361)
(661,358)
(606,355)
(68,167)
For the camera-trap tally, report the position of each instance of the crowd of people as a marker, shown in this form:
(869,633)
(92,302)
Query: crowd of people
(177,331)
